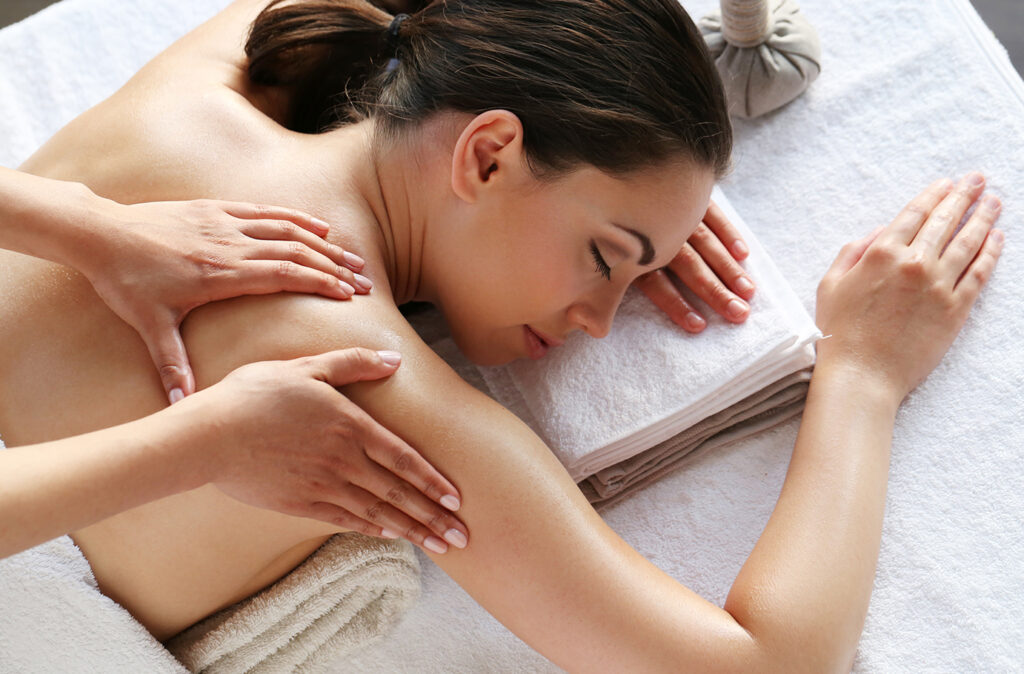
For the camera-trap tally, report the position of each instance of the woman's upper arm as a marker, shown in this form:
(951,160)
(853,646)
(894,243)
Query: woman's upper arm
(539,557)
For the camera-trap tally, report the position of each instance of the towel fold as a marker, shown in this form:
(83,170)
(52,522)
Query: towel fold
(347,594)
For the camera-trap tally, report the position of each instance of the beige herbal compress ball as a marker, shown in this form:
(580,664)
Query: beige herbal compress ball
(765,50)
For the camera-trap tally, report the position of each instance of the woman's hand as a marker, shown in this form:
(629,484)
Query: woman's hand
(153,263)
(278,435)
(892,302)
(707,265)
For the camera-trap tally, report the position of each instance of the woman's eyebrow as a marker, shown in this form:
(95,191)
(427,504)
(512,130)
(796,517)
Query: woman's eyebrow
(648,253)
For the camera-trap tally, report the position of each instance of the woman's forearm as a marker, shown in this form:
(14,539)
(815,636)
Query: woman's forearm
(43,217)
(804,590)
(53,488)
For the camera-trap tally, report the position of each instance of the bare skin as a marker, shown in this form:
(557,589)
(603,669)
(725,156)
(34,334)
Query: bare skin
(540,559)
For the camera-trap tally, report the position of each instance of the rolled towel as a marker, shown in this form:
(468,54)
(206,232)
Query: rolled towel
(348,593)
(766,52)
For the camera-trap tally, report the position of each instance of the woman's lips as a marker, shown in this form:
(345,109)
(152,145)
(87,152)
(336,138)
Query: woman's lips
(535,346)
(537,343)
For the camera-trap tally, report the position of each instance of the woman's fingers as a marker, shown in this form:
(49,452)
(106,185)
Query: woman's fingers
(695,273)
(305,256)
(946,216)
(965,245)
(421,516)
(712,249)
(660,289)
(280,230)
(907,223)
(263,277)
(980,269)
(247,211)
(851,253)
(725,231)
(167,350)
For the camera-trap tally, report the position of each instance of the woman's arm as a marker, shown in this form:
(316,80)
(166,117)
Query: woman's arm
(273,435)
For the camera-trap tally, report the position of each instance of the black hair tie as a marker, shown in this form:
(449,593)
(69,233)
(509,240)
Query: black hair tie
(396,25)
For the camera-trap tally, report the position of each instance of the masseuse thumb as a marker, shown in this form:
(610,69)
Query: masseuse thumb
(346,366)
(168,352)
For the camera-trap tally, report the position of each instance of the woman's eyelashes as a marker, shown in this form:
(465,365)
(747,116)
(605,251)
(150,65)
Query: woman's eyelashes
(602,267)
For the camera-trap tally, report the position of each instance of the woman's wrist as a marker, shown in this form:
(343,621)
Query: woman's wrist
(856,376)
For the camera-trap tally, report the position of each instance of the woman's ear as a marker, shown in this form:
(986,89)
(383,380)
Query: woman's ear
(489,151)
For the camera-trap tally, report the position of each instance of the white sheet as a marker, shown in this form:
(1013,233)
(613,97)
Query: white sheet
(910,91)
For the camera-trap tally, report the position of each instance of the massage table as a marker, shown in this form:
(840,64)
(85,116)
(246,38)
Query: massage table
(910,91)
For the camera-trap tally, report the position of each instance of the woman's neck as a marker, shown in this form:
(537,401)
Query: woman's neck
(396,190)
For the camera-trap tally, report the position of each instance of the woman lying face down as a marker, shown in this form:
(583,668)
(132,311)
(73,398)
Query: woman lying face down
(518,165)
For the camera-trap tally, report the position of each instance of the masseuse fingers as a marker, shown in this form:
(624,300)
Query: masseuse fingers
(305,256)
(263,277)
(964,247)
(695,273)
(384,485)
(712,250)
(346,366)
(167,350)
(381,513)
(944,218)
(281,230)
(340,517)
(905,225)
(725,231)
(249,211)
(660,289)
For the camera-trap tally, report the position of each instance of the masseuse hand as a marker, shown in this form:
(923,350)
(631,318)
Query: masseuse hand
(707,265)
(892,302)
(286,440)
(153,263)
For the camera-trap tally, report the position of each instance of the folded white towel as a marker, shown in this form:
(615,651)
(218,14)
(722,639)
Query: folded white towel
(346,595)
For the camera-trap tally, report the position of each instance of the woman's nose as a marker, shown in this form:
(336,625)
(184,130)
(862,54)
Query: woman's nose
(594,315)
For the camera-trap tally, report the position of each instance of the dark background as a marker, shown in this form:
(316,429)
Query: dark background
(1005,17)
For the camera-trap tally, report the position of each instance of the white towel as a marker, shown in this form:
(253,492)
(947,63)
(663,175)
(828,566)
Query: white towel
(648,380)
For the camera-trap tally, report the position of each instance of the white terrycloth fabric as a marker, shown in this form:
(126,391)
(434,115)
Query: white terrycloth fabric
(348,593)
(911,90)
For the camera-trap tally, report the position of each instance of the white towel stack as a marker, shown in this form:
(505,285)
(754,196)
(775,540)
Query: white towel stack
(600,403)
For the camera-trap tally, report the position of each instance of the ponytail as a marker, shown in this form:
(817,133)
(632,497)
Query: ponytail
(324,52)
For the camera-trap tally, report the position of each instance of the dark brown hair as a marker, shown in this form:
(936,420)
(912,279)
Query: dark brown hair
(617,84)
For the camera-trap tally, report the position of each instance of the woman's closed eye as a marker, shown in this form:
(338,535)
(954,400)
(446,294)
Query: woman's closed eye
(602,267)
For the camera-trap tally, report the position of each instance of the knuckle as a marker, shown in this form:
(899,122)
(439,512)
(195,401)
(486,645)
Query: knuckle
(397,494)
(403,461)
(285,269)
(374,511)
(297,250)
(913,267)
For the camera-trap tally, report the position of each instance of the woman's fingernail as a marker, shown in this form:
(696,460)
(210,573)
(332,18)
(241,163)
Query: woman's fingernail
(363,282)
(435,544)
(321,224)
(346,288)
(975,179)
(997,235)
(388,533)
(392,358)
(353,260)
(739,249)
(450,502)
(695,321)
(744,285)
(175,395)
(992,203)
(456,538)
(736,308)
